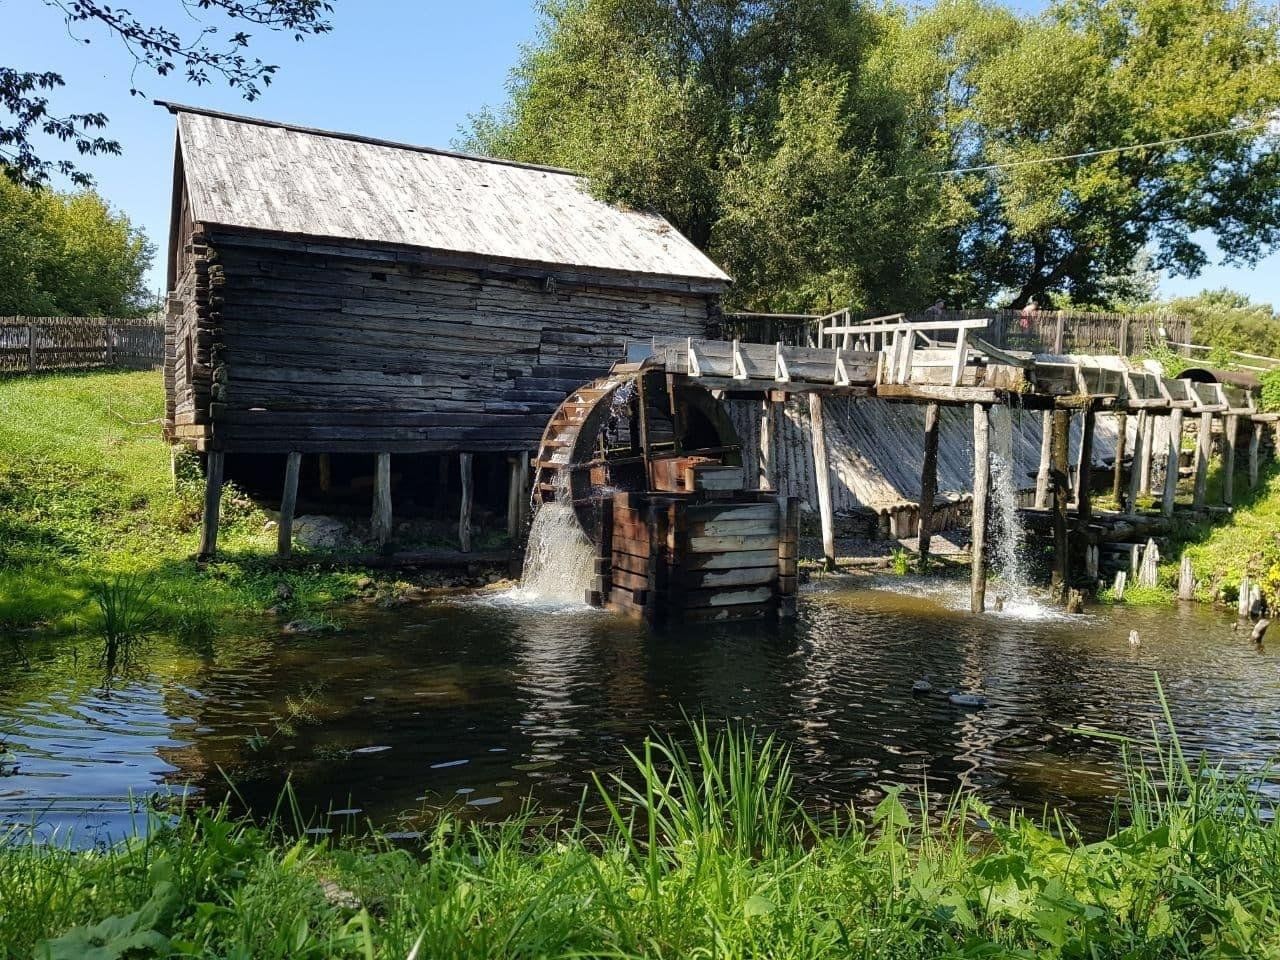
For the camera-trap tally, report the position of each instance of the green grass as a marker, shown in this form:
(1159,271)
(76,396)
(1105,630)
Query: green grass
(704,854)
(87,496)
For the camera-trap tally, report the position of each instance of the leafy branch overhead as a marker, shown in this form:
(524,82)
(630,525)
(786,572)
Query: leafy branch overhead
(26,113)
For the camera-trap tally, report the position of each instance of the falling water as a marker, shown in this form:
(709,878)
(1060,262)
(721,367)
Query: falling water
(1008,536)
(558,559)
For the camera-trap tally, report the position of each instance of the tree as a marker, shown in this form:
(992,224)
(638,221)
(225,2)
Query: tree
(25,111)
(1199,80)
(1227,320)
(69,255)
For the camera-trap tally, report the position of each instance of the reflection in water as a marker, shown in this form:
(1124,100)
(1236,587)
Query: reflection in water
(483,702)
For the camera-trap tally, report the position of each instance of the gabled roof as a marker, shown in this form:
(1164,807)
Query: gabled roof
(257,175)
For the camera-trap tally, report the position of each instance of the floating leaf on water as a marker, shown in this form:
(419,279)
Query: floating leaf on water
(497,749)
(507,783)
(448,763)
(484,801)
(377,749)
(403,835)
(319,831)
(463,791)
(346,812)
(536,765)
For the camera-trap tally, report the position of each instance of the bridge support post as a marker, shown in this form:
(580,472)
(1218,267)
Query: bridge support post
(288,504)
(981,491)
(1042,474)
(212,504)
(1060,453)
(1148,449)
(517,494)
(1231,426)
(1255,441)
(1117,468)
(1084,469)
(380,521)
(769,414)
(822,481)
(928,482)
(1171,463)
(1204,453)
(1139,455)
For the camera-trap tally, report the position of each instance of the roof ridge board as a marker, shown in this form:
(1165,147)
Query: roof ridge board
(176,108)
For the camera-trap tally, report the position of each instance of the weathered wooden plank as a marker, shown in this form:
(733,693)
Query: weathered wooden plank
(730,560)
(288,502)
(732,544)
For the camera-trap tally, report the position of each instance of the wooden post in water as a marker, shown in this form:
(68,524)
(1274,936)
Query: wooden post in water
(1148,450)
(1171,462)
(822,480)
(1117,468)
(1204,452)
(928,481)
(517,494)
(1186,579)
(981,490)
(288,504)
(1255,441)
(468,494)
(1042,474)
(1139,455)
(1084,472)
(1229,428)
(1060,454)
(380,521)
(768,442)
(212,503)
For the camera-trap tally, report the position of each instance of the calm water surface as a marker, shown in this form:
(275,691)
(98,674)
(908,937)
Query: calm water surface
(480,703)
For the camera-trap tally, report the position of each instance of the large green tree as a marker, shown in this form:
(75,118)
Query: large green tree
(69,254)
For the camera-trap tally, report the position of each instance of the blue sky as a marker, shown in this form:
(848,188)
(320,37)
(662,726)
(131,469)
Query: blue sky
(397,69)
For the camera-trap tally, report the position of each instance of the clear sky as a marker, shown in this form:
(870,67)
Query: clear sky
(398,69)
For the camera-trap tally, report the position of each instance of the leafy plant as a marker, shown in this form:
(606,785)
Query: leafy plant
(901,561)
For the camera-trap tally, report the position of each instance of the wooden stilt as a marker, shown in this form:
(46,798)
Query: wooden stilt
(822,481)
(513,497)
(212,503)
(981,490)
(468,494)
(326,472)
(1084,493)
(523,519)
(380,522)
(1171,463)
(1117,468)
(768,442)
(1060,454)
(928,481)
(1204,453)
(288,503)
(1042,474)
(1139,456)
(1255,441)
(1148,450)
(1229,429)
(1186,580)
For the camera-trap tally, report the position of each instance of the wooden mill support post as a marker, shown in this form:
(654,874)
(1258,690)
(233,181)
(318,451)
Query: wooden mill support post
(1204,453)
(288,504)
(1042,474)
(1230,427)
(1139,455)
(1117,468)
(822,481)
(517,494)
(928,481)
(1171,463)
(380,521)
(1084,493)
(1061,445)
(770,413)
(212,503)
(1255,441)
(325,465)
(468,494)
(1148,451)
(981,489)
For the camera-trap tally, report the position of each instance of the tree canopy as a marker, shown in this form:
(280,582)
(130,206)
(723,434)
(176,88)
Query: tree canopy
(69,254)
(812,146)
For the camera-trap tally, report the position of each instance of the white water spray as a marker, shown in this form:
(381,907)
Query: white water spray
(558,559)
(1008,536)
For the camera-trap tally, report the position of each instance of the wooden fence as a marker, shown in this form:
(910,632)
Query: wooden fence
(30,344)
(1123,334)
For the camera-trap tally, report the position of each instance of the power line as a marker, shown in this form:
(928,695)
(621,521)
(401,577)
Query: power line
(1230,131)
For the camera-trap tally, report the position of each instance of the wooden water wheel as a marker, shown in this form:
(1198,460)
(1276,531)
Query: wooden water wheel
(637,429)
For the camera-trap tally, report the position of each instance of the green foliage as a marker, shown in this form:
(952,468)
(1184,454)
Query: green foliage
(1269,397)
(69,255)
(1226,321)
(1246,544)
(901,561)
(705,852)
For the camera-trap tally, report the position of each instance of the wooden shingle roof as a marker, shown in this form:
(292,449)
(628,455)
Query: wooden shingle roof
(256,175)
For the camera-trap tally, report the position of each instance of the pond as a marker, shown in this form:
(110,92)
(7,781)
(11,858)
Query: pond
(481,702)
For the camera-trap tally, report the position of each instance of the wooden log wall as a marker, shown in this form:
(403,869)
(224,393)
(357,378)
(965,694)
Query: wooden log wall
(194,331)
(34,344)
(336,349)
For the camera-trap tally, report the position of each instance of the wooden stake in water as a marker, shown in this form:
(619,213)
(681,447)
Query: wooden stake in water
(1149,572)
(1122,580)
(928,481)
(1186,580)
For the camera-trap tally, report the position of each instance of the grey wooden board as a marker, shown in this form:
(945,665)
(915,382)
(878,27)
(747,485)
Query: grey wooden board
(262,176)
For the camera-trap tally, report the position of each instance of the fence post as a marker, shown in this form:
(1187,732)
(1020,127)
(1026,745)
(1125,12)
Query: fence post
(1058,333)
(110,346)
(1124,336)
(31,345)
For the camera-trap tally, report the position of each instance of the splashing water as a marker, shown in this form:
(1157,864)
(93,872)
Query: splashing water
(558,560)
(1008,536)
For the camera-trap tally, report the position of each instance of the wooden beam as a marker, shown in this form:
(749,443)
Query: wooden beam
(514,485)
(1230,427)
(981,491)
(1171,462)
(1084,470)
(1042,474)
(326,472)
(212,503)
(768,442)
(468,495)
(288,503)
(1117,468)
(1148,451)
(1204,453)
(1135,468)
(1255,441)
(380,522)
(822,480)
(1060,454)
(928,481)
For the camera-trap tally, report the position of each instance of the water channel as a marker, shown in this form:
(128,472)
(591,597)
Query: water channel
(480,702)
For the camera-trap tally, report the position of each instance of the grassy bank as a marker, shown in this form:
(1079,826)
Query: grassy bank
(705,856)
(87,493)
